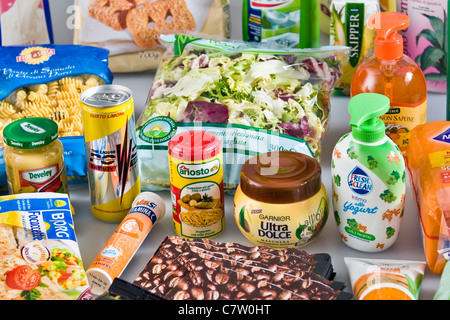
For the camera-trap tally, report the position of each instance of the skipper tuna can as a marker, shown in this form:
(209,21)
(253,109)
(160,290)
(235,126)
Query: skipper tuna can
(109,133)
(196,184)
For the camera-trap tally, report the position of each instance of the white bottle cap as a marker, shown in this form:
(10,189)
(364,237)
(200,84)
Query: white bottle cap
(159,207)
(99,281)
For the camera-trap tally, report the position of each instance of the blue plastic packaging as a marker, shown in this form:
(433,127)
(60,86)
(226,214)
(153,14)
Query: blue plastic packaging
(22,67)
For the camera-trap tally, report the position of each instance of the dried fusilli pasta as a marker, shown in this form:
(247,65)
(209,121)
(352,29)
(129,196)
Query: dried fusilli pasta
(6,110)
(58,100)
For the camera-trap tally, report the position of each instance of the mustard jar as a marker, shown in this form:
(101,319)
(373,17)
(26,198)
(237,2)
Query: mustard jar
(34,157)
(281,201)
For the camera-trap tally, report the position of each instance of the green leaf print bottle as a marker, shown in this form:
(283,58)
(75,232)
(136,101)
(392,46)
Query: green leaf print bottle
(368,178)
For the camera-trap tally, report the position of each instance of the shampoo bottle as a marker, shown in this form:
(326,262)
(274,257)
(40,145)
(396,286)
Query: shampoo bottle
(368,173)
(392,73)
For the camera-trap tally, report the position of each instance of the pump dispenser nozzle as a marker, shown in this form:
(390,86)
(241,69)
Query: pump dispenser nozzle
(388,43)
(364,109)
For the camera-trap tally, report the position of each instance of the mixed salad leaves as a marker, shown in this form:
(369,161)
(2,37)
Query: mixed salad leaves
(282,91)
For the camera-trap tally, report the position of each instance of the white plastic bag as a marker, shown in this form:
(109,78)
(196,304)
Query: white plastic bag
(25,22)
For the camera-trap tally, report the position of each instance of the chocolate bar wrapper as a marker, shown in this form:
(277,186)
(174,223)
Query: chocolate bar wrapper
(188,269)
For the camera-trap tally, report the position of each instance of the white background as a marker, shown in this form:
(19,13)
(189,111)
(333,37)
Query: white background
(92,233)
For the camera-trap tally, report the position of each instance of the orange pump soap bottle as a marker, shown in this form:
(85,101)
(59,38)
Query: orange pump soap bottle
(392,73)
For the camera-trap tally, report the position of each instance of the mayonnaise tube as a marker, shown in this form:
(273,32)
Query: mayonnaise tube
(147,208)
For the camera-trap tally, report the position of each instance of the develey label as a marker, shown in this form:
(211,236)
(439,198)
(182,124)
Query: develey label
(31,128)
(39,176)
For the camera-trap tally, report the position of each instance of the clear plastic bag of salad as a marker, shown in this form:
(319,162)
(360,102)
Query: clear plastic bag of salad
(256,99)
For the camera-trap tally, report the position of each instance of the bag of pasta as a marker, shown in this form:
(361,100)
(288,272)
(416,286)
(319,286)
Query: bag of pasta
(47,81)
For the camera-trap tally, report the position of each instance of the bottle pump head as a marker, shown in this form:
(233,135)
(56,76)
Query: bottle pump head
(364,109)
(388,43)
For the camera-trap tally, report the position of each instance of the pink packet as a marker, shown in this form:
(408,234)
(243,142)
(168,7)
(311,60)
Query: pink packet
(425,39)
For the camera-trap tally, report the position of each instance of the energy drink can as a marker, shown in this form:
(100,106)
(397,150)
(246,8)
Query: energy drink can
(109,133)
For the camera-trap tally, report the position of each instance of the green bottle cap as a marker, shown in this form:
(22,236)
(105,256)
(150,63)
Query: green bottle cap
(364,109)
(30,133)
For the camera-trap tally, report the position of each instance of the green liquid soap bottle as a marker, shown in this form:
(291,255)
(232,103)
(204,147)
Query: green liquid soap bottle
(368,178)
(392,73)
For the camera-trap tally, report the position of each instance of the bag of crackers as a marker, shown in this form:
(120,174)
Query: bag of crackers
(130,29)
(47,81)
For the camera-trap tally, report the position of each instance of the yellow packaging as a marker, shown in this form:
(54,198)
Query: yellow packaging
(400,120)
(40,255)
(388,5)
(348,27)
(281,201)
(324,16)
(196,184)
(281,225)
(113,172)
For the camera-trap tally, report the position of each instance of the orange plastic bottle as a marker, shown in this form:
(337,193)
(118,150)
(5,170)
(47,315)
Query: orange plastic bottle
(391,73)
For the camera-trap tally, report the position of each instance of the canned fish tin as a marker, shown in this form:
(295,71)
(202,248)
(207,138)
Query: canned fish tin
(196,177)
(109,133)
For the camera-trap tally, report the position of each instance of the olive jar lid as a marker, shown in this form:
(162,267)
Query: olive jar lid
(30,133)
(281,177)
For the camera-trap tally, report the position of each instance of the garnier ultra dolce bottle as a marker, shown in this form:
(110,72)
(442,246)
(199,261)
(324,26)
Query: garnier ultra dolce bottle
(395,75)
(368,173)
